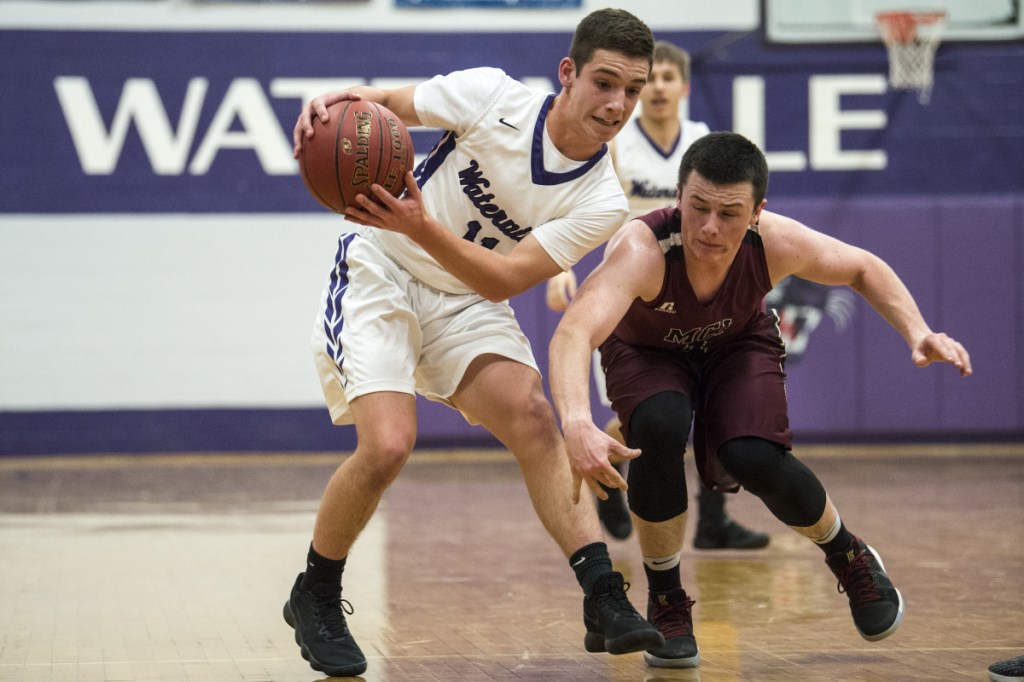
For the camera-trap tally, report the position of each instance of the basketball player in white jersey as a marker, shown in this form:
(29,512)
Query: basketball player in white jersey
(646,155)
(520,188)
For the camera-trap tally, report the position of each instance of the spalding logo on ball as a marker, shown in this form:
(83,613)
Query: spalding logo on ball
(362,144)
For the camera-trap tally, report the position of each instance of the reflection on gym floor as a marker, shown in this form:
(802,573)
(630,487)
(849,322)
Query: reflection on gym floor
(175,568)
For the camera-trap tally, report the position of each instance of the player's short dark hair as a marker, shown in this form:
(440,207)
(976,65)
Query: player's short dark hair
(611,29)
(665,51)
(725,159)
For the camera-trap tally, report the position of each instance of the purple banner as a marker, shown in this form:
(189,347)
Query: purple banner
(179,122)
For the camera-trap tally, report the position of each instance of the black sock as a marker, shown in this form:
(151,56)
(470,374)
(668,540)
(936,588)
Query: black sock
(839,543)
(590,563)
(320,569)
(663,581)
(711,504)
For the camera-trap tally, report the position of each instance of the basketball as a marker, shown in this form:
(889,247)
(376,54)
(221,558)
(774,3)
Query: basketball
(362,144)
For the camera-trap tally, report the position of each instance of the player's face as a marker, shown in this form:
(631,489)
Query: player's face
(660,98)
(603,95)
(715,219)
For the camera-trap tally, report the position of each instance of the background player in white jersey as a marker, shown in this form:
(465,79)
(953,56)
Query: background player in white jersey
(647,152)
(646,155)
(519,189)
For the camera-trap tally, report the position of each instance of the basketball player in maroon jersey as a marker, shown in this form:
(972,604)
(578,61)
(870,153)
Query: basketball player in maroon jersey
(677,306)
(646,154)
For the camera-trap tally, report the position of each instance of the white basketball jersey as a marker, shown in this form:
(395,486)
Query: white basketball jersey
(649,174)
(496,177)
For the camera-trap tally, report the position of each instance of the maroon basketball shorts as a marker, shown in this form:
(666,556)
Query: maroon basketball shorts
(736,389)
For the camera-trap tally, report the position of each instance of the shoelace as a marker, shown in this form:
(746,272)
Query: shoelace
(673,620)
(332,620)
(857,580)
(615,600)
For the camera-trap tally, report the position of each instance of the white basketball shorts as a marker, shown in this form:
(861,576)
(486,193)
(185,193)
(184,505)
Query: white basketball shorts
(380,329)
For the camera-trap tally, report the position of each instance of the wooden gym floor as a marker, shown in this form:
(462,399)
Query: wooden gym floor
(175,568)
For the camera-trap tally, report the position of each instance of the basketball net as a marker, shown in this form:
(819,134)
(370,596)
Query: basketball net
(911,39)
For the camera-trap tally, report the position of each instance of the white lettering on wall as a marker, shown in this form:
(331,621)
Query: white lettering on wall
(748,119)
(261,131)
(99,149)
(828,120)
(167,147)
(245,120)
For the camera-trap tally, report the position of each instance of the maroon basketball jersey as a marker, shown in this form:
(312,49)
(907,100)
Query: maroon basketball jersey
(676,319)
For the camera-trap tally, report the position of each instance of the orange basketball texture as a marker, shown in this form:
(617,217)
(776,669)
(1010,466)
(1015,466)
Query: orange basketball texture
(363,143)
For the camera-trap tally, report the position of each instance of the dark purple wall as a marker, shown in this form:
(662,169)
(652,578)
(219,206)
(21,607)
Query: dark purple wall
(947,211)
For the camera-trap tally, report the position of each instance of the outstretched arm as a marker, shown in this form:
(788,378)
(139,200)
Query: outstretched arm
(795,249)
(633,267)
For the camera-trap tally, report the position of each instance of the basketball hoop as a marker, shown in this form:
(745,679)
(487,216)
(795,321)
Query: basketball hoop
(911,39)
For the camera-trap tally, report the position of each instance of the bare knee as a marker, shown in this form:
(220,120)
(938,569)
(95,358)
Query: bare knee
(533,431)
(383,455)
(386,433)
(507,398)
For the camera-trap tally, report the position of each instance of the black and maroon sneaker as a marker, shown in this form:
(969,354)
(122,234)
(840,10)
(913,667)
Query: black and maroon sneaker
(670,612)
(876,605)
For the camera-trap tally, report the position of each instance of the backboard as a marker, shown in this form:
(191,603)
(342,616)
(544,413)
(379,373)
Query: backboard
(852,21)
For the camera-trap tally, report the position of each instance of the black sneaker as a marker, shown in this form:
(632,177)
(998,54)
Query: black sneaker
(670,613)
(728,535)
(876,605)
(321,632)
(614,514)
(613,625)
(1007,671)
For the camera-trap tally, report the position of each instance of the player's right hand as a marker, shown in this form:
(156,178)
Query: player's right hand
(589,450)
(560,290)
(316,108)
